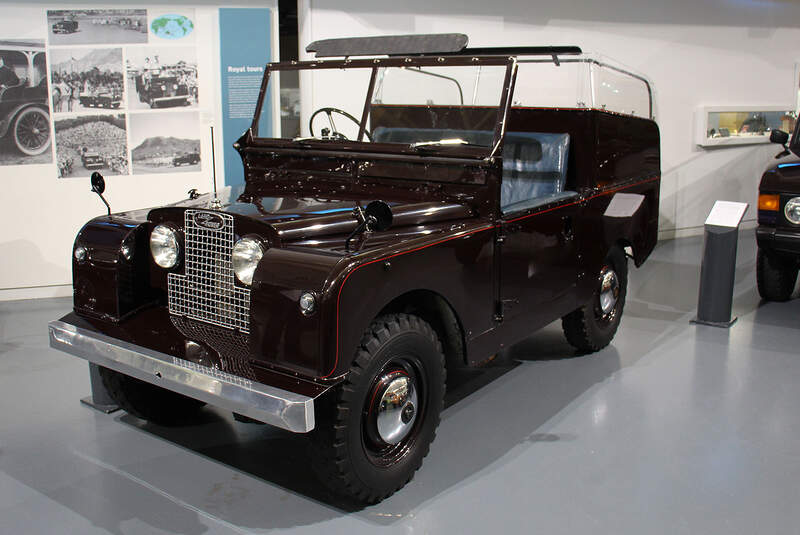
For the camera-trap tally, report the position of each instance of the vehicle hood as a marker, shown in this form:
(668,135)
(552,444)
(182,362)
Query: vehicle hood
(783,176)
(297,218)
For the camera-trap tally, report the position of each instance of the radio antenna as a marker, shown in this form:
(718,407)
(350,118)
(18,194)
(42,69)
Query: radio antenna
(215,203)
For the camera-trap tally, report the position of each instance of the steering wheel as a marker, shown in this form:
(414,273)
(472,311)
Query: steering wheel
(335,134)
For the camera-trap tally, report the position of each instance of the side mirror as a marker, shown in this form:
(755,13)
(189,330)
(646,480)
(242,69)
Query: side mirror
(779,136)
(98,183)
(379,216)
(99,186)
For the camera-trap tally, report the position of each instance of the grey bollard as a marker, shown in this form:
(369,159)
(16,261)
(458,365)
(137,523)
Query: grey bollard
(718,269)
(99,400)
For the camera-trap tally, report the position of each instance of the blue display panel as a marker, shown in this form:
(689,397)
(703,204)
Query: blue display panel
(245,36)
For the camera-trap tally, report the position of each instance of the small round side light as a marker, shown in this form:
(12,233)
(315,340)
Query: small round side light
(80,253)
(308,303)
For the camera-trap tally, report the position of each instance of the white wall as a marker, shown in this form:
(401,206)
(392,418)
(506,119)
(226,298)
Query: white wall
(708,52)
(41,214)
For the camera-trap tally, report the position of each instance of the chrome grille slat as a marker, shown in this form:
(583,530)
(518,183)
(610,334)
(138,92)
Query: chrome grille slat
(207,291)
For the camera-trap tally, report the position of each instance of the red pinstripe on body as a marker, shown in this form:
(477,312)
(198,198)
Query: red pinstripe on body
(339,295)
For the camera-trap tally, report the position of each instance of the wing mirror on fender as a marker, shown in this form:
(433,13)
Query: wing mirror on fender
(376,217)
(99,186)
(782,138)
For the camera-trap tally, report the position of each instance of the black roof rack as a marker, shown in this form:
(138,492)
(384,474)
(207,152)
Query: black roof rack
(444,44)
(392,45)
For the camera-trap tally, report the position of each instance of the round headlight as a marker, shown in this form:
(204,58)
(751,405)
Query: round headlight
(246,255)
(164,246)
(792,210)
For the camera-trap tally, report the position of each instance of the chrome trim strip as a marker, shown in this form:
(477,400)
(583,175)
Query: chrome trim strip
(281,408)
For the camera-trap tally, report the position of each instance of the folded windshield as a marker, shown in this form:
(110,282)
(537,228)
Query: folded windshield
(422,106)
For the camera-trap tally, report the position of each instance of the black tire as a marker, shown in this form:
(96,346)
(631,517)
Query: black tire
(149,402)
(591,327)
(349,450)
(776,276)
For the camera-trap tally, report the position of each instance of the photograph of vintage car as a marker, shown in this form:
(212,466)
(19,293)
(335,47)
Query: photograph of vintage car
(91,142)
(436,209)
(97,26)
(86,78)
(167,142)
(161,77)
(778,231)
(24,111)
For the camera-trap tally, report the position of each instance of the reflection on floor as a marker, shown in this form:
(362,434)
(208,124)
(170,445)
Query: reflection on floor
(674,428)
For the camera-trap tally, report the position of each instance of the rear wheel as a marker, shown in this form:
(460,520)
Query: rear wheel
(776,276)
(149,402)
(372,438)
(593,326)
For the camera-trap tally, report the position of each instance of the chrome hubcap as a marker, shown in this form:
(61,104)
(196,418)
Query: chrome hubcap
(397,408)
(609,290)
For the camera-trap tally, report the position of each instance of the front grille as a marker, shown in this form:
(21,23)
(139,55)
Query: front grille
(207,292)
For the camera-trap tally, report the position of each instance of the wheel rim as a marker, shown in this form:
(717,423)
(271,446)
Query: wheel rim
(608,294)
(393,412)
(32,132)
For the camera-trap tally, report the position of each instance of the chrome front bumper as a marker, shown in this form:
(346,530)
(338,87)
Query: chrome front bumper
(264,403)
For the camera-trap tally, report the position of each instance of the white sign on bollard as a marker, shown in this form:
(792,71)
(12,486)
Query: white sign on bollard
(726,214)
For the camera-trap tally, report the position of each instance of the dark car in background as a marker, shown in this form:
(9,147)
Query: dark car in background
(102,97)
(65,26)
(778,231)
(190,158)
(434,217)
(92,160)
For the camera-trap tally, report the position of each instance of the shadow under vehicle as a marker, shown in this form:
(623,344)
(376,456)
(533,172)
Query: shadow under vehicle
(778,231)
(161,87)
(24,107)
(468,205)
(190,158)
(65,26)
(102,97)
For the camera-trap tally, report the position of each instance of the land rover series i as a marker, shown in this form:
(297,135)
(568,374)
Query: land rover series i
(443,204)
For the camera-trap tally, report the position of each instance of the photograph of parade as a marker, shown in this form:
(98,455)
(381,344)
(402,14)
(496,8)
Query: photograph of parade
(24,113)
(165,142)
(86,143)
(86,78)
(97,26)
(161,77)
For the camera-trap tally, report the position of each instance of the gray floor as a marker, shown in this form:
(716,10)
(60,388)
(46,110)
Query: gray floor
(675,428)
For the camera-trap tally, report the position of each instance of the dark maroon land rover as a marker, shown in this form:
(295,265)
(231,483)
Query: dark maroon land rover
(444,203)
(778,232)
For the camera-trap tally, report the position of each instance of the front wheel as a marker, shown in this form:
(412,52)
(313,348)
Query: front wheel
(32,131)
(776,276)
(372,438)
(593,326)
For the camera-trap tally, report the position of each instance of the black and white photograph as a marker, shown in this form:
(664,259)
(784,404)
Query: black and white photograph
(24,112)
(96,26)
(161,77)
(165,142)
(86,79)
(87,143)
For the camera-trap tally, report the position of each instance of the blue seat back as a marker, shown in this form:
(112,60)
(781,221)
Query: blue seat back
(534,163)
